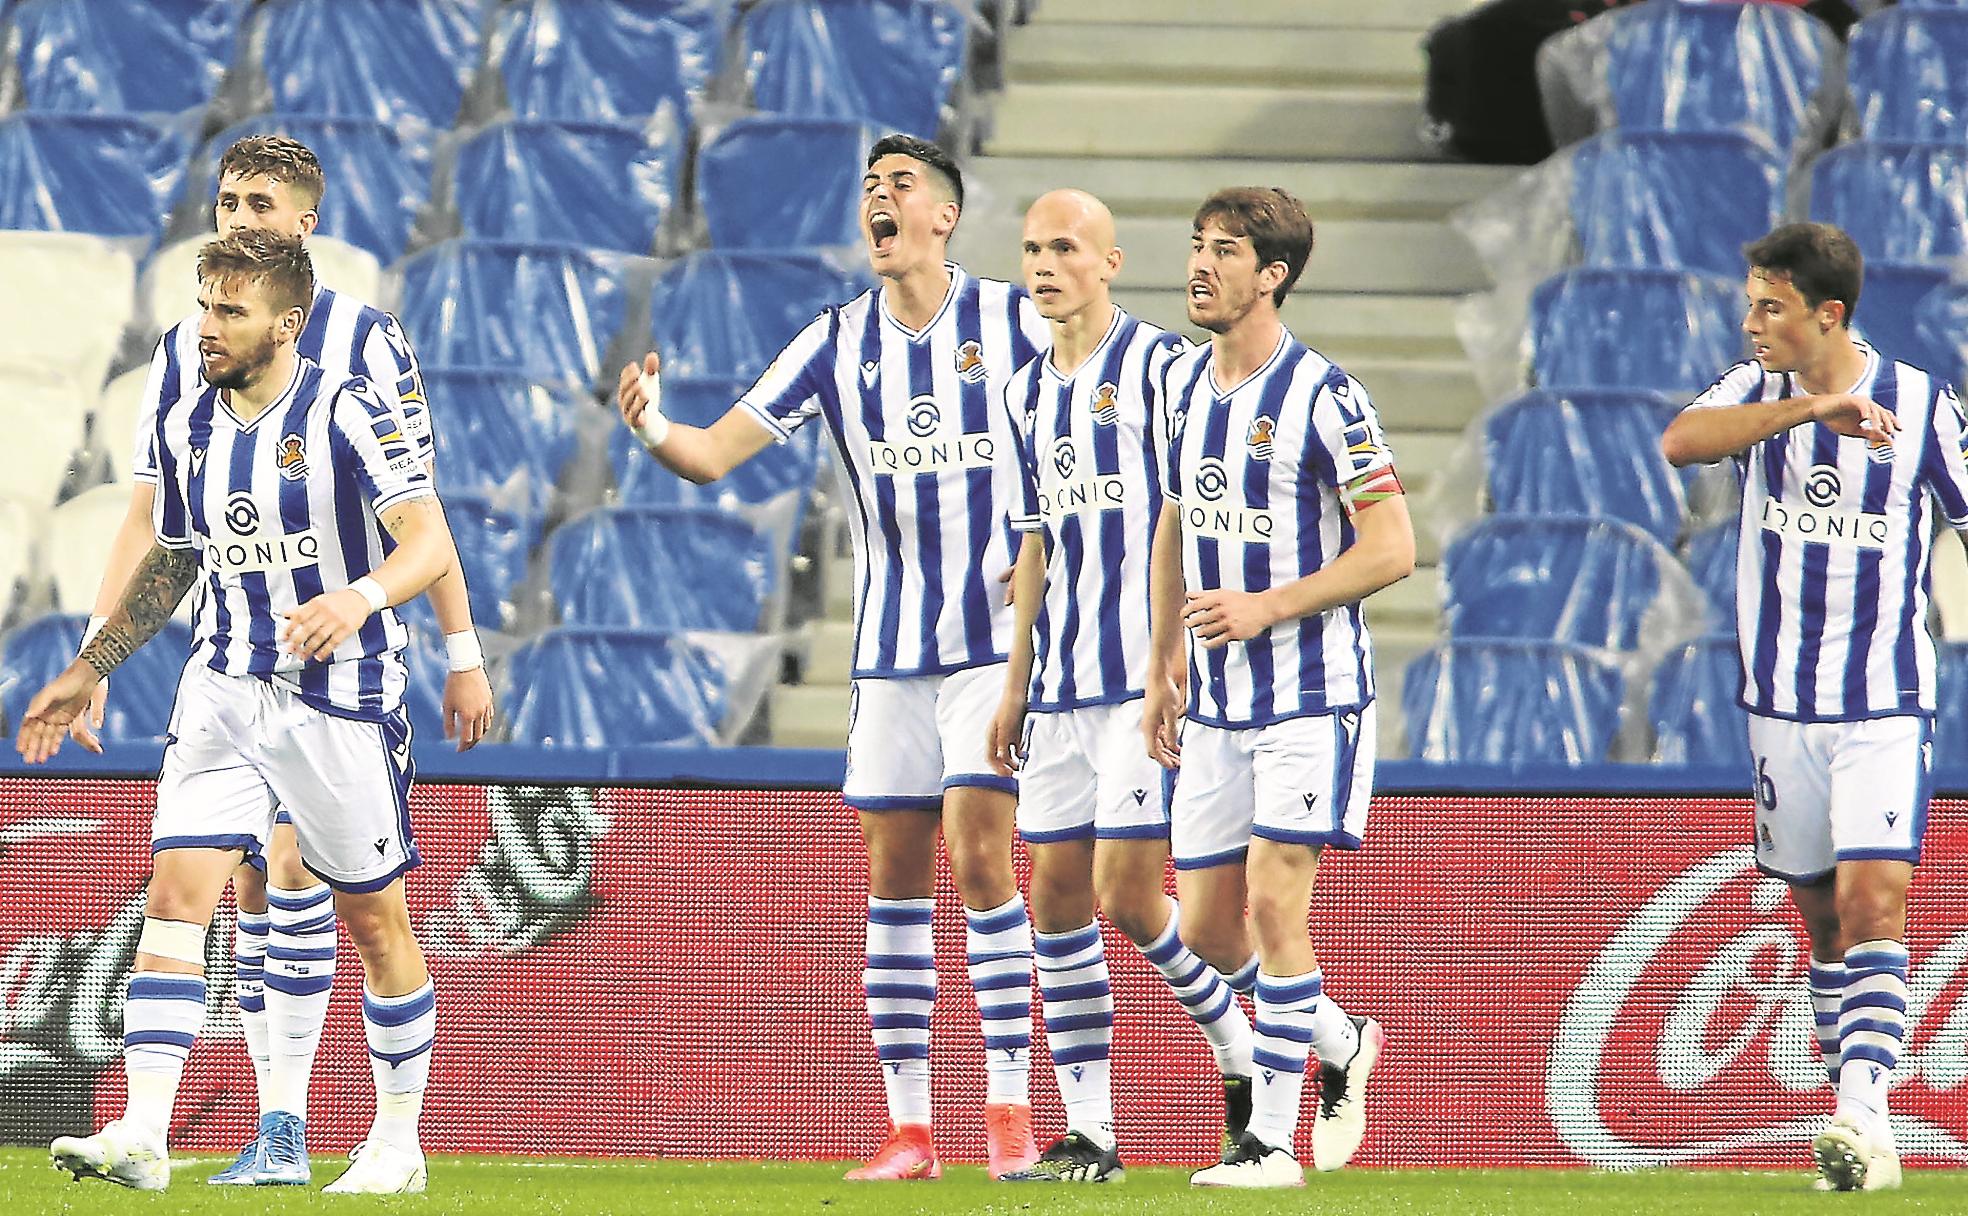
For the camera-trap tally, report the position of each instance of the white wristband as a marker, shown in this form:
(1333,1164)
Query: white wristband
(463,650)
(89,634)
(371,590)
(654,428)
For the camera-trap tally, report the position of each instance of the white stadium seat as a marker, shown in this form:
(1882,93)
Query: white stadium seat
(170,280)
(79,535)
(20,528)
(44,415)
(116,420)
(68,297)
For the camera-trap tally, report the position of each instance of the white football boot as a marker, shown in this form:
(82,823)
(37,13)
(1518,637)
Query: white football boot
(381,1169)
(121,1153)
(1342,1121)
(1851,1159)
(1252,1164)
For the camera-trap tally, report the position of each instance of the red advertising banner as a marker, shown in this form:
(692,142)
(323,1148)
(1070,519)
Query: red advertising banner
(1563,981)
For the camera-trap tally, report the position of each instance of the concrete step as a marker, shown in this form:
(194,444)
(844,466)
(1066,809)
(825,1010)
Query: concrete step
(1151,119)
(829,651)
(1414,15)
(1344,327)
(1377,256)
(809,715)
(1058,52)
(1413,603)
(1394,649)
(1422,455)
(1418,394)
(1167,186)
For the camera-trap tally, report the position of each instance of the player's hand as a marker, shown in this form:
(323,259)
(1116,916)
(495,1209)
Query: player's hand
(317,627)
(1161,720)
(1007,735)
(87,723)
(1011,588)
(59,703)
(1218,618)
(629,397)
(467,707)
(1858,418)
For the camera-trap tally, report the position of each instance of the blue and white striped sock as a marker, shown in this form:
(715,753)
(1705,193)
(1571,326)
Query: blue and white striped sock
(900,985)
(249,947)
(1204,995)
(1871,1027)
(1079,1022)
(401,1031)
(1244,978)
(1827,1000)
(1000,945)
(300,977)
(1282,1039)
(162,1015)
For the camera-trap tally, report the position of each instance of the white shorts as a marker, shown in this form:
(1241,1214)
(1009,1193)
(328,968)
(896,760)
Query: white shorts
(1828,792)
(1087,773)
(909,738)
(240,745)
(1299,781)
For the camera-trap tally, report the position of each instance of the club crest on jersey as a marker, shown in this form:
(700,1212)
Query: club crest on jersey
(292,460)
(1259,437)
(1879,451)
(1107,404)
(970,363)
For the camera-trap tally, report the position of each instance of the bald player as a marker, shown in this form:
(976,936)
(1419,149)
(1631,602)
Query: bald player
(1093,807)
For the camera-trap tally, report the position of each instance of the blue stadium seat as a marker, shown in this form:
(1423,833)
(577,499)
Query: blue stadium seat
(427,666)
(1902,202)
(141,692)
(1693,705)
(378,178)
(1904,72)
(1717,66)
(1941,332)
(1710,556)
(547,310)
(603,60)
(1586,452)
(1889,307)
(740,174)
(540,181)
(120,56)
(720,313)
(494,545)
(586,687)
(1591,582)
(1490,701)
(114,175)
(1951,703)
(1664,330)
(502,437)
(400,61)
(890,62)
(782,467)
(661,568)
(1674,200)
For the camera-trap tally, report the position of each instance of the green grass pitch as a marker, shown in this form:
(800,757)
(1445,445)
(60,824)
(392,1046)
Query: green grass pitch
(520,1186)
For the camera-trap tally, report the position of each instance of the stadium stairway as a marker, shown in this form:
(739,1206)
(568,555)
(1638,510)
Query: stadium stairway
(1146,106)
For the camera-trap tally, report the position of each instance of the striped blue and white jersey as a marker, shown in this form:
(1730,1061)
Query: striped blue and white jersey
(1088,483)
(281,508)
(1832,565)
(923,460)
(1257,469)
(343,335)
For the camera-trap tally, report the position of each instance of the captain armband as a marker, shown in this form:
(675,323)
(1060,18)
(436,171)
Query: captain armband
(1369,488)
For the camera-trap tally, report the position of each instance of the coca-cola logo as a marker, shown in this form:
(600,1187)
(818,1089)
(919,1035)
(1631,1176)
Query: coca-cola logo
(532,879)
(1691,1034)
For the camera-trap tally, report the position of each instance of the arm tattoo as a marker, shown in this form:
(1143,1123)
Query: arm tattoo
(396,517)
(160,581)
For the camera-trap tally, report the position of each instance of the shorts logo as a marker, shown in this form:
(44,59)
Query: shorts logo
(1106,404)
(1259,437)
(1822,485)
(1140,797)
(292,461)
(970,363)
(1064,458)
(242,515)
(1311,803)
(1212,479)
(925,416)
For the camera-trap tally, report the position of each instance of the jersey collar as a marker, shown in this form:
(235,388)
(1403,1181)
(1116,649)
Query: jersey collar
(224,397)
(957,277)
(1277,352)
(1093,356)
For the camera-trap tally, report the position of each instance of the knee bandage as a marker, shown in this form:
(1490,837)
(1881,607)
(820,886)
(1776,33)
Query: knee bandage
(178,940)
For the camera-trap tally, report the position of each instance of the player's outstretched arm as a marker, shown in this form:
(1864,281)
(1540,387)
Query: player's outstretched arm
(1027,589)
(150,595)
(1382,553)
(424,551)
(701,454)
(1161,704)
(126,549)
(467,703)
(1712,433)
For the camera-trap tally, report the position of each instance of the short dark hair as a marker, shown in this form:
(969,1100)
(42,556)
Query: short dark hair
(280,158)
(1274,220)
(1820,260)
(278,263)
(941,162)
